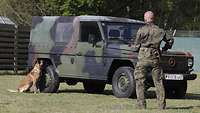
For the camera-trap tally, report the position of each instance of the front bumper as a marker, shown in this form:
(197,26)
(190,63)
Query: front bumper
(180,76)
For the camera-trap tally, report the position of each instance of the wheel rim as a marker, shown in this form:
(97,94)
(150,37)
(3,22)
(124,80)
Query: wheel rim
(45,80)
(123,82)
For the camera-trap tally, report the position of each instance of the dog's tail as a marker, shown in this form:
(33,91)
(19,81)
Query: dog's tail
(12,91)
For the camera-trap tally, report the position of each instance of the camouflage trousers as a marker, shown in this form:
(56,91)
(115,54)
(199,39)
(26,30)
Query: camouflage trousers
(140,77)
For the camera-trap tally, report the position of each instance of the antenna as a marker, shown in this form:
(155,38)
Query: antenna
(174,33)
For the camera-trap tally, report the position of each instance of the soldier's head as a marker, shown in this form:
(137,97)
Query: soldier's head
(149,17)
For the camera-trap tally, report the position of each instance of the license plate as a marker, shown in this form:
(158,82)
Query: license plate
(173,77)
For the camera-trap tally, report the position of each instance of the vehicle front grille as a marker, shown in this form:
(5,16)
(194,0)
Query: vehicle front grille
(174,64)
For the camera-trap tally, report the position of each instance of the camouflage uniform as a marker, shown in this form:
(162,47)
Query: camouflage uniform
(148,41)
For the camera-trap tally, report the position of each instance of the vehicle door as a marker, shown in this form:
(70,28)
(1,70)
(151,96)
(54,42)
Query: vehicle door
(90,48)
(65,57)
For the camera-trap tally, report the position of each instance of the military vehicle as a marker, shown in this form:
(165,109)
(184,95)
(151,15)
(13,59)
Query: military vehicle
(97,50)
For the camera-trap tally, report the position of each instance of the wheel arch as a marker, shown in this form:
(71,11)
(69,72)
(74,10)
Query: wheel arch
(116,63)
(47,61)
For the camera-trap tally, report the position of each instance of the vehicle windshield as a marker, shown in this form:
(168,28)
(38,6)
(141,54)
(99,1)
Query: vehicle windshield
(120,31)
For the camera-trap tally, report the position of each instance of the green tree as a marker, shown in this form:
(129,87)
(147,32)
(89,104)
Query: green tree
(170,14)
(18,11)
(83,7)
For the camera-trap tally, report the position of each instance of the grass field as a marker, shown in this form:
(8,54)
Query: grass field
(73,99)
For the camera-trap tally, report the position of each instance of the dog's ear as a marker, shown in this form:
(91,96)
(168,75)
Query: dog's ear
(34,62)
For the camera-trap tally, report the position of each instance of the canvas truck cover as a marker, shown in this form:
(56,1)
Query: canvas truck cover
(51,36)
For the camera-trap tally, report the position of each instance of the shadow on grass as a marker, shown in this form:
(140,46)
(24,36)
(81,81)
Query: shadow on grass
(71,91)
(192,96)
(189,96)
(105,92)
(186,107)
(149,94)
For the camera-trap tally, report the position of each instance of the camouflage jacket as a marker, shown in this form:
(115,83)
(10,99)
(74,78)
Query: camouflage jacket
(151,36)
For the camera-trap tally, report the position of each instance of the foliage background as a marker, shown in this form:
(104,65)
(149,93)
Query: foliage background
(171,14)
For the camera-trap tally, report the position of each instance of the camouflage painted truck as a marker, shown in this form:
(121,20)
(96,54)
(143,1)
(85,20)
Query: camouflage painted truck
(96,51)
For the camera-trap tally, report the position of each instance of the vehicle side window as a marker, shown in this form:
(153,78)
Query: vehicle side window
(63,32)
(125,31)
(90,31)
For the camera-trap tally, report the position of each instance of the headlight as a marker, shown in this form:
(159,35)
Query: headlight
(190,62)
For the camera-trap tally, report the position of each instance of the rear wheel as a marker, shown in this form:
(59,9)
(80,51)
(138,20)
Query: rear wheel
(49,81)
(123,82)
(94,86)
(176,90)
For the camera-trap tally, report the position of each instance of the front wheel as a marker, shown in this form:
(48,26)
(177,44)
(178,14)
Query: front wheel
(123,83)
(49,81)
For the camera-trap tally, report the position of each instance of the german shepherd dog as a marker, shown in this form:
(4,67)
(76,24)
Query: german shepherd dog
(30,81)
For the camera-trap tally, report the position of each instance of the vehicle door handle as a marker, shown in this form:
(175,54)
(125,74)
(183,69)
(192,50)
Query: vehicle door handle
(79,53)
(72,60)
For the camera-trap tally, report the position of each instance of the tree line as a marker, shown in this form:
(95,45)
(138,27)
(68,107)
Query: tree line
(170,14)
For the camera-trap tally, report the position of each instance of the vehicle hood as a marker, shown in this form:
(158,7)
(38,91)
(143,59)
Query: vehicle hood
(177,53)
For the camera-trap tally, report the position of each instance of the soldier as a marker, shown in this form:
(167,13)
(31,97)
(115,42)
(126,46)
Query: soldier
(148,42)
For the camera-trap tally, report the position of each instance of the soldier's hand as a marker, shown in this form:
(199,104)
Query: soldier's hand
(164,49)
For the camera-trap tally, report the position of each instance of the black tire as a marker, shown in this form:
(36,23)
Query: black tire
(176,91)
(123,83)
(49,81)
(94,86)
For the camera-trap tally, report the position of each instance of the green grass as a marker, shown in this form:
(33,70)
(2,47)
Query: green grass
(72,99)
